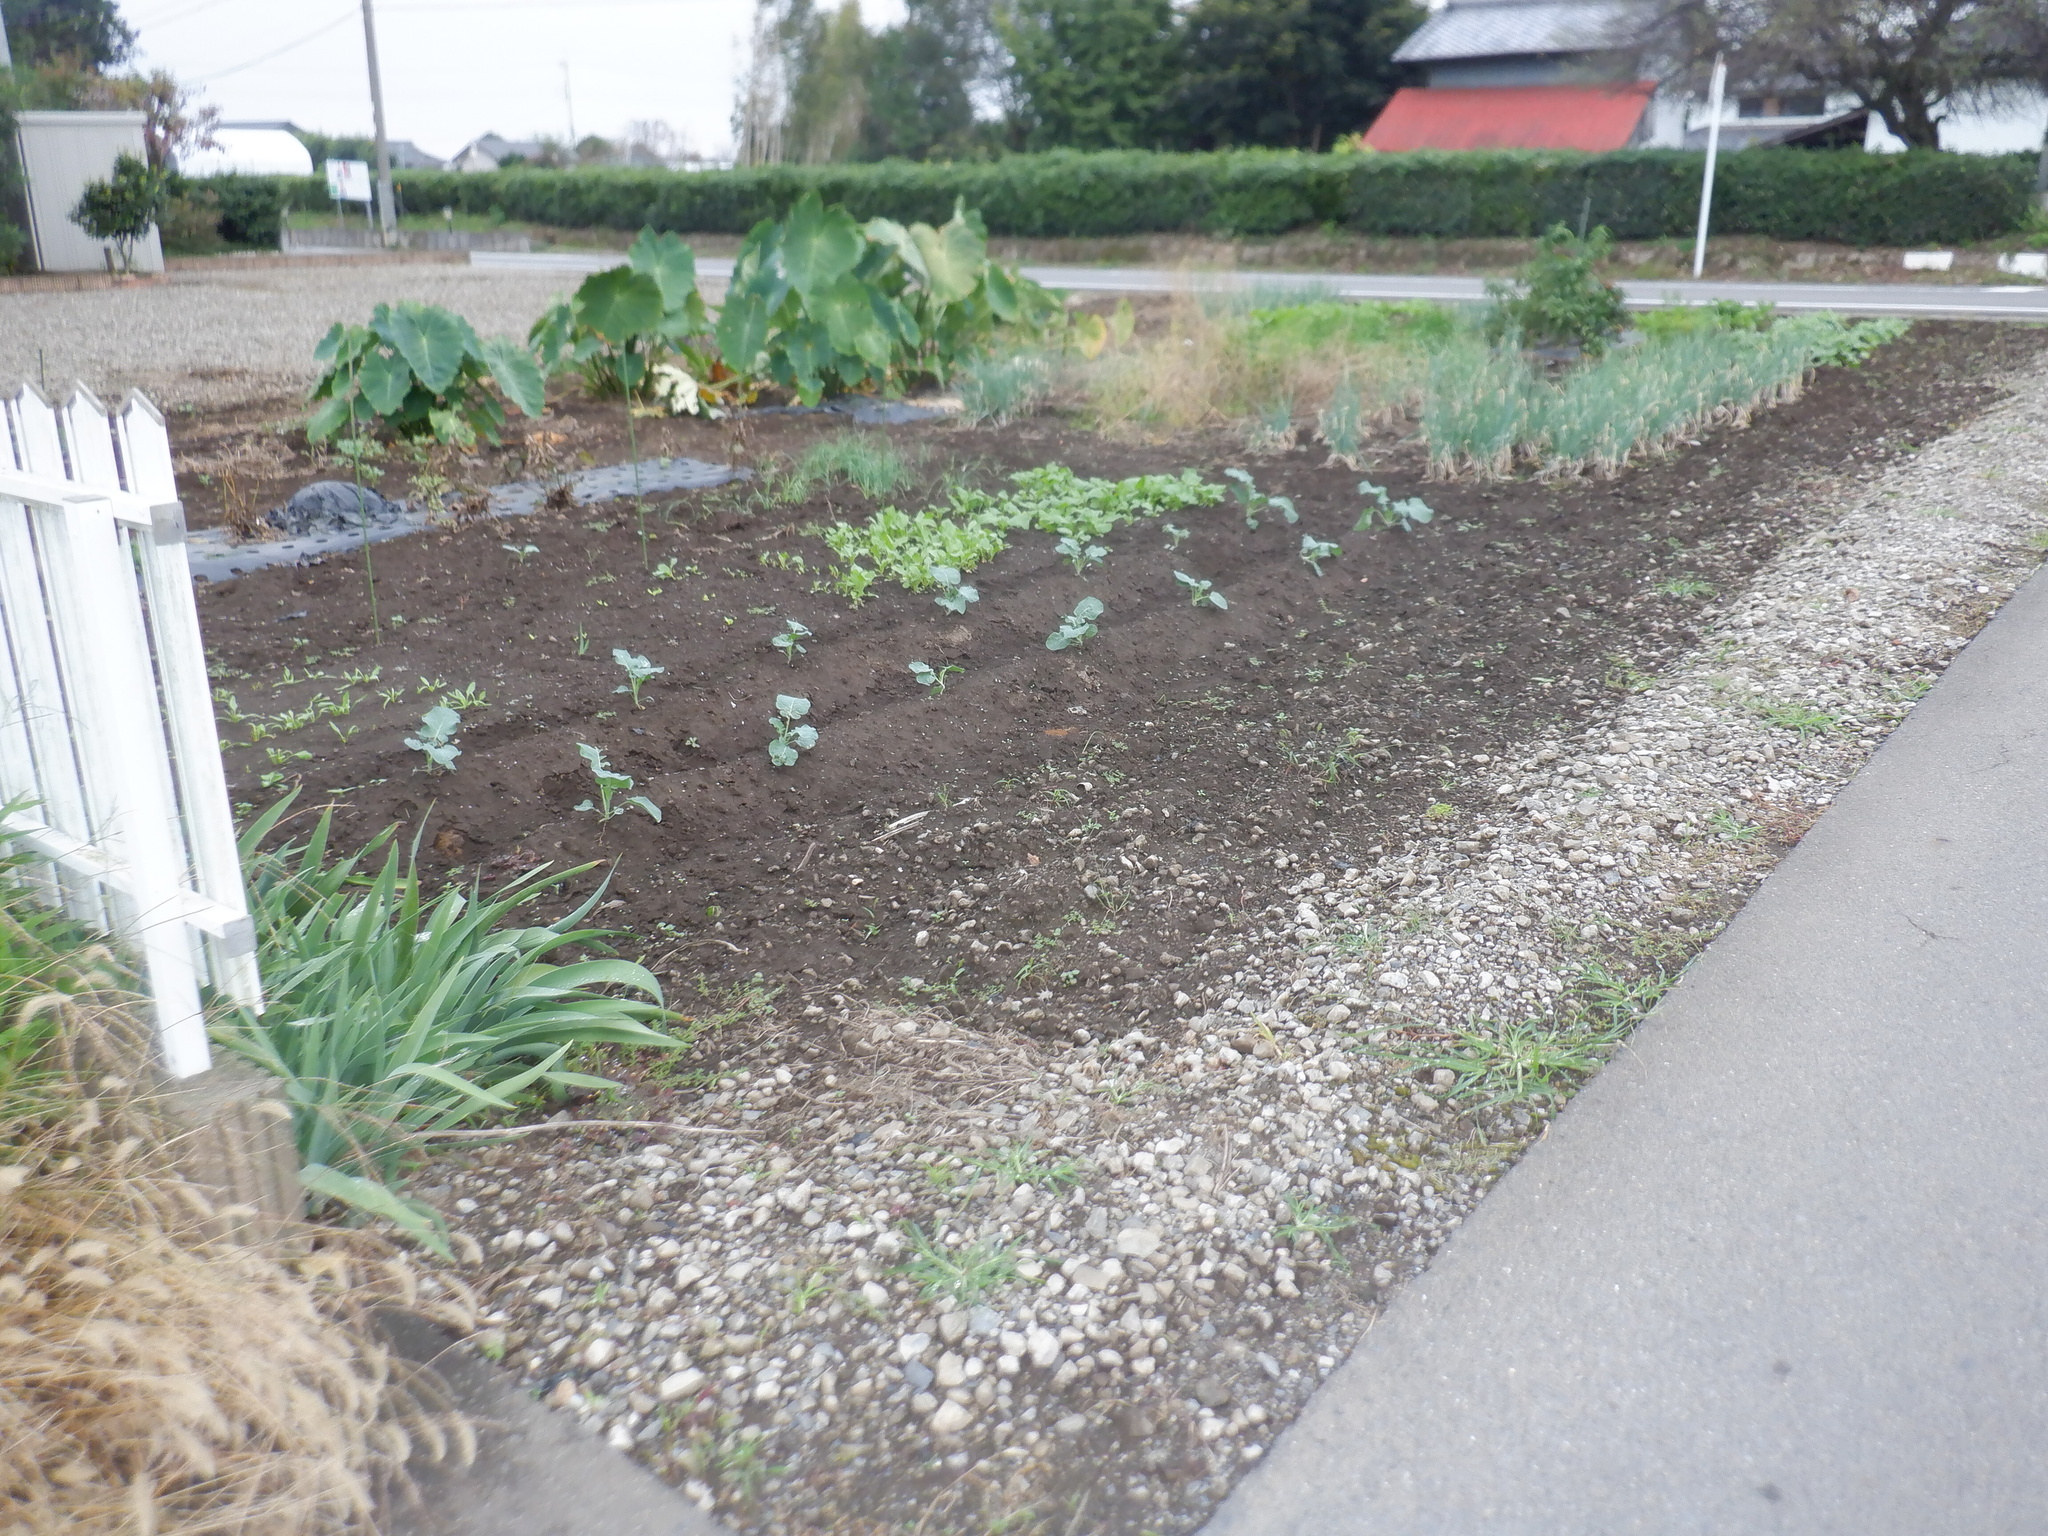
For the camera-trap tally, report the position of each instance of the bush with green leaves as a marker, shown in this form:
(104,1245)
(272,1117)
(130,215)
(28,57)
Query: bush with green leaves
(1558,297)
(820,303)
(394,1013)
(416,370)
(621,323)
(123,208)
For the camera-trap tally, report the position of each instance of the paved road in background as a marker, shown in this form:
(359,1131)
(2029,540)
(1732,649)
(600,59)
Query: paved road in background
(1779,1270)
(1914,300)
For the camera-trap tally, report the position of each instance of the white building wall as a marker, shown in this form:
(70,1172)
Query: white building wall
(61,152)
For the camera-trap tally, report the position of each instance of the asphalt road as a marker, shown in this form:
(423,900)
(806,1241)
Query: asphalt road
(1914,300)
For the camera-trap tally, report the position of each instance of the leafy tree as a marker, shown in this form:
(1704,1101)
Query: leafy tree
(1904,59)
(1295,73)
(123,208)
(1095,74)
(920,88)
(88,33)
(828,97)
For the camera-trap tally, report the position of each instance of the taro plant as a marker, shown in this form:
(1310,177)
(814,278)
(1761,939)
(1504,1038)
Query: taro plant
(639,672)
(1253,504)
(933,682)
(436,738)
(1078,627)
(790,641)
(1082,557)
(1201,594)
(394,1014)
(1382,511)
(417,370)
(791,737)
(610,785)
(954,594)
(1315,551)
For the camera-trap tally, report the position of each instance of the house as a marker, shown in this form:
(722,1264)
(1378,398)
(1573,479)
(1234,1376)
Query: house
(1556,74)
(490,152)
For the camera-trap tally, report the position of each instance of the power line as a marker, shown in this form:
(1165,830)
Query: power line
(320,31)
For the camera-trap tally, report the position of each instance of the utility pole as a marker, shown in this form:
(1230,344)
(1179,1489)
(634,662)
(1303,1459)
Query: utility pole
(386,218)
(1714,94)
(569,106)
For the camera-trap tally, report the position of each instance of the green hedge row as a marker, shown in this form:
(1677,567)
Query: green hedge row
(1919,198)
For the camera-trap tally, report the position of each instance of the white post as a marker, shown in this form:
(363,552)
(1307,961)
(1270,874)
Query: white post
(1720,84)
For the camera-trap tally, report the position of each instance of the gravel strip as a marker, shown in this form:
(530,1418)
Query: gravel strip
(231,338)
(899,1274)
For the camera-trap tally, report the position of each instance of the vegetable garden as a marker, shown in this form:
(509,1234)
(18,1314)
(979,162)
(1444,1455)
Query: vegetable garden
(1012,718)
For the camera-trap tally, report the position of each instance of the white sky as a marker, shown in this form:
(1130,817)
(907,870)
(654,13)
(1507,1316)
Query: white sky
(454,69)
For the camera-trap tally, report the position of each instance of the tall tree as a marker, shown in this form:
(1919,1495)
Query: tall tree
(1294,73)
(88,34)
(1905,59)
(1095,74)
(828,94)
(922,82)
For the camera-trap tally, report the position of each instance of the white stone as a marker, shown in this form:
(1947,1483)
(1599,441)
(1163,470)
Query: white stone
(681,1384)
(951,1418)
(598,1352)
(875,1295)
(912,1346)
(1044,1346)
(951,1372)
(1137,1242)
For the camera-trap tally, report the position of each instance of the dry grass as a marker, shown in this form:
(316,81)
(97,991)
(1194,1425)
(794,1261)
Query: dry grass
(155,1381)
(1211,366)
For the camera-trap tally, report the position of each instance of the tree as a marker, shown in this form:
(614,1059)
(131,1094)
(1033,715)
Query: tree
(1095,74)
(123,208)
(1294,73)
(1903,59)
(921,86)
(828,96)
(88,33)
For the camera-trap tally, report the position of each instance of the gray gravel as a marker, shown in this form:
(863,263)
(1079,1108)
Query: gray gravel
(229,338)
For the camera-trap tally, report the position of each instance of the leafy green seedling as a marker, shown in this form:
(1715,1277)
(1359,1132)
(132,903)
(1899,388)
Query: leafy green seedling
(790,737)
(1203,593)
(639,672)
(932,682)
(1253,504)
(666,571)
(790,641)
(610,785)
(1383,512)
(521,552)
(954,595)
(1174,535)
(1315,551)
(1077,627)
(436,737)
(582,639)
(1083,557)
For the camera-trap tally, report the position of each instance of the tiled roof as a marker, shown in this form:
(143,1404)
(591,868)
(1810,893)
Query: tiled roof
(1594,117)
(1481,29)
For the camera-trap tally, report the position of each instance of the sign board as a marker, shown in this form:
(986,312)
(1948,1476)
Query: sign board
(348,181)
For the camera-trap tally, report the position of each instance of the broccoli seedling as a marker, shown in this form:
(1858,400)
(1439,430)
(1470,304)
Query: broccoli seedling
(521,552)
(1315,551)
(610,785)
(436,738)
(1202,594)
(1253,504)
(1077,627)
(954,595)
(1383,512)
(1083,557)
(1175,536)
(789,642)
(790,737)
(639,672)
(932,682)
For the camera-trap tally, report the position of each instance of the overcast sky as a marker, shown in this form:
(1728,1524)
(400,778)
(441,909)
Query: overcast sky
(454,69)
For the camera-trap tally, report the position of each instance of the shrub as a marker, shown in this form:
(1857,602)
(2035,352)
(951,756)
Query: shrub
(1558,296)
(124,207)
(418,371)
(392,1015)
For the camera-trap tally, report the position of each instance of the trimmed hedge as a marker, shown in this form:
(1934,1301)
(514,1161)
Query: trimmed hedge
(1919,198)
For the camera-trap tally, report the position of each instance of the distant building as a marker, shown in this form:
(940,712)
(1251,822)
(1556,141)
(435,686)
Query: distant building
(491,152)
(408,156)
(249,149)
(1553,74)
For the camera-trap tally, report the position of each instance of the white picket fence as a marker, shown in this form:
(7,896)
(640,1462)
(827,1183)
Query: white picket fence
(110,769)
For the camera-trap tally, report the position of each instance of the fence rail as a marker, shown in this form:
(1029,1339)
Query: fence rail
(111,785)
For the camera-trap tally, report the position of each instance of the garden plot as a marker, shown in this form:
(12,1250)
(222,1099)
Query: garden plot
(1140,962)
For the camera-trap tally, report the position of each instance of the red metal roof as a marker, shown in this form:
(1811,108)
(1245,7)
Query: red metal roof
(1511,117)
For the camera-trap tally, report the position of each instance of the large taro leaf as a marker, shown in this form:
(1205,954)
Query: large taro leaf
(518,375)
(433,341)
(847,308)
(672,265)
(820,245)
(955,256)
(742,330)
(331,417)
(619,304)
(1003,300)
(812,360)
(385,379)
(893,236)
